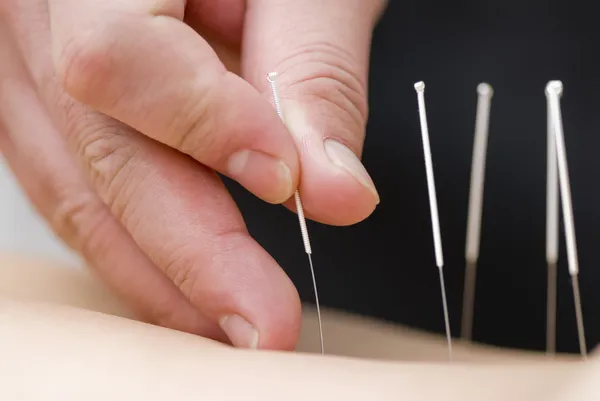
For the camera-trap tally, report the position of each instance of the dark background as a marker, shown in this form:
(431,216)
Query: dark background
(384,267)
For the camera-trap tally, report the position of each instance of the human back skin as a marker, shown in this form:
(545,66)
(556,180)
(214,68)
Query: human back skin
(90,347)
(46,281)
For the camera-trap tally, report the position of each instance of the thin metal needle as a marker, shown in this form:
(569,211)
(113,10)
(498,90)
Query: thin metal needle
(579,316)
(314,280)
(482,118)
(554,90)
(435,223)
(271,77)
(552,199)
(551,310)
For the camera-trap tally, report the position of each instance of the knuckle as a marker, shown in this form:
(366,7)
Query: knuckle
(78,219)
(325,72)
(84,62)
(107,155)
(110,159)
(182,270)
(194,126)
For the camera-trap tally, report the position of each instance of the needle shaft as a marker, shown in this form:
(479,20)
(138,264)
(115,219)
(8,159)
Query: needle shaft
(551,310)
(579,316)
(482,118)
(466,328)
(552,200)
(301,219)
(554,91)
(446,314)
(435,221)
(314,280)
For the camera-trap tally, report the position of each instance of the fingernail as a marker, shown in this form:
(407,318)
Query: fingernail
(343,157)
(266,176)
(241,333)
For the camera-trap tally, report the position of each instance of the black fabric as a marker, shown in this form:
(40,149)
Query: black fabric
(384,267)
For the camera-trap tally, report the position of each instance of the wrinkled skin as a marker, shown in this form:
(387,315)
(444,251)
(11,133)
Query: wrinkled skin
(115,115)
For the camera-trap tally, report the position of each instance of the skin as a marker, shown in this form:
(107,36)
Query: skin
(115,115)
(97,353)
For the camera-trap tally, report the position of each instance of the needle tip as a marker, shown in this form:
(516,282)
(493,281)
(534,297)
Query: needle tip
(554,86)
(485,89)
(420,86)
(272,76)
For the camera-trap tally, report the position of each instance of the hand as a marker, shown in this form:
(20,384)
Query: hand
(115,114)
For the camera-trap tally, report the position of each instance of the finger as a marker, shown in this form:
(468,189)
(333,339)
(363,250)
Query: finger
(218,18)
(181,215)
(138,62)
(220,23)
(321,51)
(182,218)
(40,161)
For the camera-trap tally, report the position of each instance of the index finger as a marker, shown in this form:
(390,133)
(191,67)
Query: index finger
(137,62)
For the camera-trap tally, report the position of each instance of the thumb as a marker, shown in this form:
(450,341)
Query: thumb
(321,51)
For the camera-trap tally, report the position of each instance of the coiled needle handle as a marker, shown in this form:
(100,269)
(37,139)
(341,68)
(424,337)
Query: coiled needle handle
(271,77)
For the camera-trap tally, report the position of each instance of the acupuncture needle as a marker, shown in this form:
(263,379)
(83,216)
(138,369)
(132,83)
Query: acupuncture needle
(482,118)
(552,199)
(554,91)
(435,223)
(272,78)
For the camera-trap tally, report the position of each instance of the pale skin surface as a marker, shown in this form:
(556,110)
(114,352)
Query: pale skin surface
(63,336)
